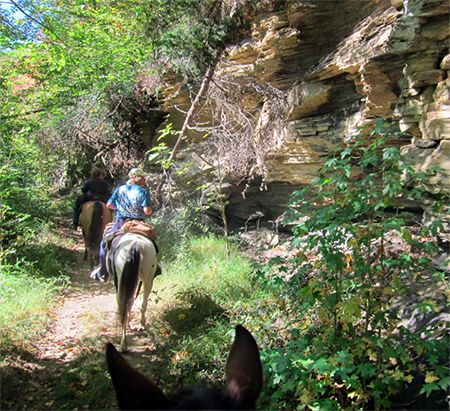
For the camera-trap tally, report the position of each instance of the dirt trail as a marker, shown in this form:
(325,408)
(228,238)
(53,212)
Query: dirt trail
(87,310)
(84,320)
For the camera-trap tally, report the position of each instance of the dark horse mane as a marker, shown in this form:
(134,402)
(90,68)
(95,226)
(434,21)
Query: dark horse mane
(95,232)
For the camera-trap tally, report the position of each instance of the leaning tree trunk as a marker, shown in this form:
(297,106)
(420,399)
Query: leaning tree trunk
(190,114)
(186,124)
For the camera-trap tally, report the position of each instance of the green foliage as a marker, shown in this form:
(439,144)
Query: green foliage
(22,193)
(201,260)
(74,71)
(31,277)
(201,295)
(175,229)
(26,305)
(61,50)
(188,33)
(77,49)
(345,349)
(31,264)
(161,154)
(83,381)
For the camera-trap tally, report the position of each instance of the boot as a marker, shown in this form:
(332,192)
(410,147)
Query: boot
(98,275)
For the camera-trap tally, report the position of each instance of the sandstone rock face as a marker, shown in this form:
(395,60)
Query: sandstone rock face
(338,66)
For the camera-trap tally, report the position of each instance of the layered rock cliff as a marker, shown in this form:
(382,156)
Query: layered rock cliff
(310,74)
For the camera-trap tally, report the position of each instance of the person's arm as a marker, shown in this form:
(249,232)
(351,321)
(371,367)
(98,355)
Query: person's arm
(85,187)
(112,201)
(147,204)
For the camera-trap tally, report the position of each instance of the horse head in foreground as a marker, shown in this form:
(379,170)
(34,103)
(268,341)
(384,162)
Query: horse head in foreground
(244,377)
(94,217)
(132,258)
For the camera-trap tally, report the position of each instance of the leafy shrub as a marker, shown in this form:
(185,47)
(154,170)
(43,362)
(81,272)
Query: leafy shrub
(202,294)
(346,347)
(176,227)
(31,264)
(22,195)
(26,305)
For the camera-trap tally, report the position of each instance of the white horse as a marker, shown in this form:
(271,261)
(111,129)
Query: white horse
(132,258)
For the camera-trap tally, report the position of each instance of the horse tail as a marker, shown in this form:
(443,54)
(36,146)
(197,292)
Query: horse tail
(128,282)
(95,233)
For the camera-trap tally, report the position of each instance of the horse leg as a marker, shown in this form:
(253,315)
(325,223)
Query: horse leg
(123,343)
(146,293)
(126,323)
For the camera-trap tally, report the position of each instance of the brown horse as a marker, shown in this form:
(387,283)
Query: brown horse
(93,218)
(244,374)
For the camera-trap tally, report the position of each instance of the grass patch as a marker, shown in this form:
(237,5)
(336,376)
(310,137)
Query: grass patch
(26,303)
(29,288)
(196,303)
(84,384)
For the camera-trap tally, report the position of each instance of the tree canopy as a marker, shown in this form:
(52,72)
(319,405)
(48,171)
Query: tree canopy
(64,62)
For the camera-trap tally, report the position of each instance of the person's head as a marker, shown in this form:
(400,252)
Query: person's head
(96,173)
(137,176)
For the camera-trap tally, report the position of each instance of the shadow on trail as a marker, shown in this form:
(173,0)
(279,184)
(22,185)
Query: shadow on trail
(32,383)
(64,367)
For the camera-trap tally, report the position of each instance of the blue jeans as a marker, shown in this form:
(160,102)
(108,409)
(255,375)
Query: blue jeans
(120,221)
(102,254)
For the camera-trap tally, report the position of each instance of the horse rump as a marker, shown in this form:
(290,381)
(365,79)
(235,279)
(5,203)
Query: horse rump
(128,282)
(95,230)
(244,375)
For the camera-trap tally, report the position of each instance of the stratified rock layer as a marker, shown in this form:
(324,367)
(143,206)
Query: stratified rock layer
(339,66)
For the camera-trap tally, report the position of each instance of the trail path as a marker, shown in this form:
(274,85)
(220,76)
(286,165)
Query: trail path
(86,311)
(85,319)
(83,322)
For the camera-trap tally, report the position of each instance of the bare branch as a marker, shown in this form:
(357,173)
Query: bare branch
(24,12)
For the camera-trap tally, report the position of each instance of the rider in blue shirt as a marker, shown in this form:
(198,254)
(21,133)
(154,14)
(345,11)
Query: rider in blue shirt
(131,201)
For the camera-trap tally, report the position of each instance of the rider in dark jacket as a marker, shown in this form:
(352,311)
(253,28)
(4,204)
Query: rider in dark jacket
(95,189)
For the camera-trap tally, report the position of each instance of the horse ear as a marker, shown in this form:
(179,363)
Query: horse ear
(134,390)
(244,370)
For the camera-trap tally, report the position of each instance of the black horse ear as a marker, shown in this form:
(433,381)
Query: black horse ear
(134,390)
(244,370)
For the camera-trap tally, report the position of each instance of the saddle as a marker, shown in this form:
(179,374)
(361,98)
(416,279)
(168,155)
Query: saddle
(130,226)
(139,227)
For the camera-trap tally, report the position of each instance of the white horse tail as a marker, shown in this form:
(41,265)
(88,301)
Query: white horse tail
(128,282)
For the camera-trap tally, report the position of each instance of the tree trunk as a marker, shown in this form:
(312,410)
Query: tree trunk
(187,121)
